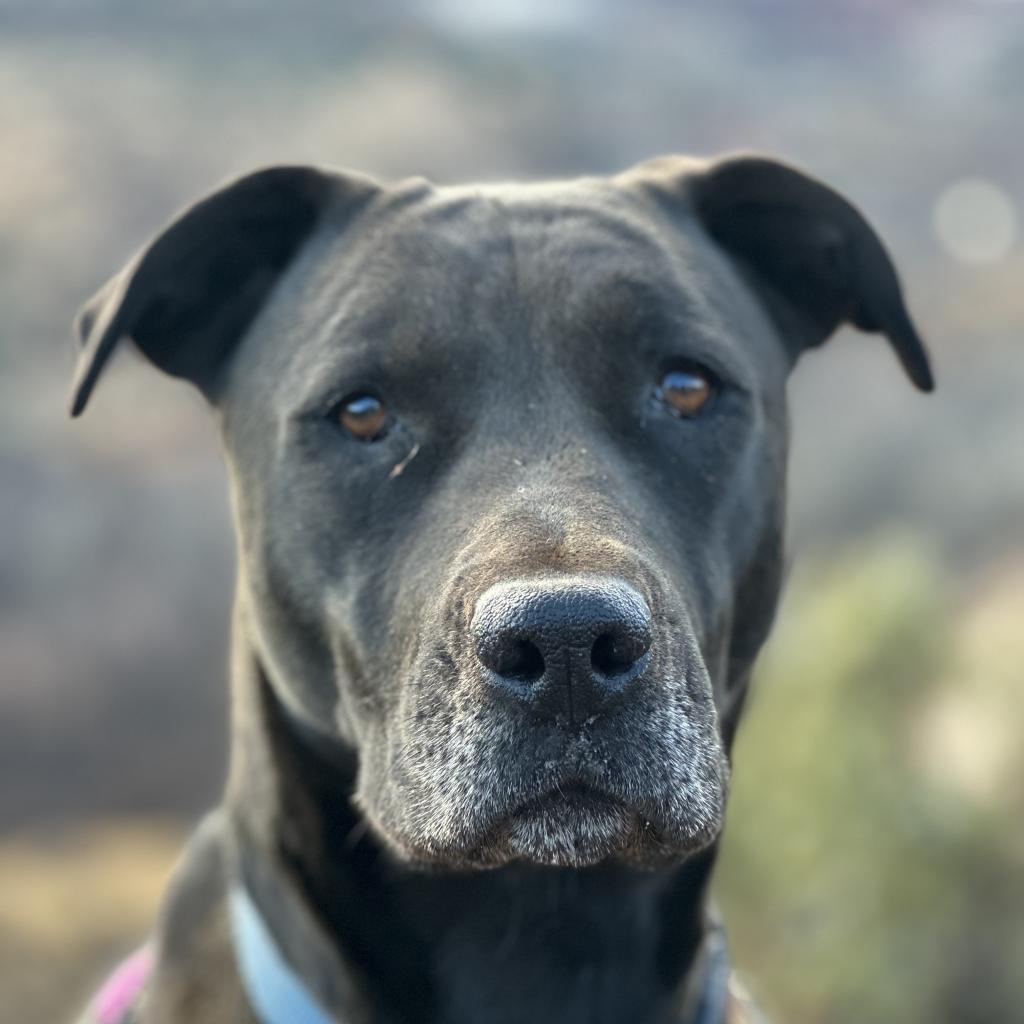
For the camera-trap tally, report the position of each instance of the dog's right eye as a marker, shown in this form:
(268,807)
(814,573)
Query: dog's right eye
(364,416)
(687,390)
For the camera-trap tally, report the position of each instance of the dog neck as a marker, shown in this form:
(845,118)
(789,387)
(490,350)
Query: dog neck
(378,941)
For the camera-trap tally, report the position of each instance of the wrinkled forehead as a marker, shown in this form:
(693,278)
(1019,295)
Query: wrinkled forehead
(536,251)
(517,271)
(526,236)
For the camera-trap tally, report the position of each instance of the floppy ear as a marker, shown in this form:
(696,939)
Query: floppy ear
(188,297)
(815,260)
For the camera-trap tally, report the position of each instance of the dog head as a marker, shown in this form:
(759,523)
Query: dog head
(508,471)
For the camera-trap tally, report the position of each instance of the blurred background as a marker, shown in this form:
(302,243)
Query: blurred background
(873,867)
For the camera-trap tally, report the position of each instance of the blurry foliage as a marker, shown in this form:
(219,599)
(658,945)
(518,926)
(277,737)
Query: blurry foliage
(872,871)
(73,901)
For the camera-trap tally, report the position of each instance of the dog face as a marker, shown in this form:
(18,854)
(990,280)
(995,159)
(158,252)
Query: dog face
(508,471)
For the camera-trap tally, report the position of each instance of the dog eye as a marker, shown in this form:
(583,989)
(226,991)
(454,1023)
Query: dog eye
(687,391)
(364,416)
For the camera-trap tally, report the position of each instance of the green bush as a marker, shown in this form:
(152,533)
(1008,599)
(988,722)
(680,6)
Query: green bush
(873,862)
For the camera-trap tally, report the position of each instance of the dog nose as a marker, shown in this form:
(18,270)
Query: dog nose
(563,645)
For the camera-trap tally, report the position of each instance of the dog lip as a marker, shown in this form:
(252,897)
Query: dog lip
(577,793)
(570,824)
(569,796)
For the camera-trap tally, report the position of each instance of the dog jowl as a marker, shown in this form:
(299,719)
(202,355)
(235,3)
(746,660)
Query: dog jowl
(508,470)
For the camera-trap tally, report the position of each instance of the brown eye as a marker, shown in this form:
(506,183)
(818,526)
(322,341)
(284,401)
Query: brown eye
(686,392)
(365,417)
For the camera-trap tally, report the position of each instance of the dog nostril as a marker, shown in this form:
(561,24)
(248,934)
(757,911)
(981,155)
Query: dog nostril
(615,655)
(520,660)
(563,645)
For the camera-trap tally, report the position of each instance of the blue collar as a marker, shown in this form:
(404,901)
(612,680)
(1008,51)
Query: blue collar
(714,1000)
(279,996)
(276,992)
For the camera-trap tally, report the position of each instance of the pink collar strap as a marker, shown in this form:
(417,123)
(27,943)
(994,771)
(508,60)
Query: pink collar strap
(113,1004)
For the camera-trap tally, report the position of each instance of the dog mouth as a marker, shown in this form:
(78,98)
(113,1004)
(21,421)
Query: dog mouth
(572,802)
(572,824)
(575,825)
(576,805)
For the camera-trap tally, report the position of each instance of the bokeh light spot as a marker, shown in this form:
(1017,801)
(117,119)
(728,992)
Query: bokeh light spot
(975,221)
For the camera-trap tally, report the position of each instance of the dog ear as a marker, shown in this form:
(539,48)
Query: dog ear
(188,296)
(810,253)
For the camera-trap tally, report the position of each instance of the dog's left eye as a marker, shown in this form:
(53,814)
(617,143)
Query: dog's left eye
(687,391)
(364,416)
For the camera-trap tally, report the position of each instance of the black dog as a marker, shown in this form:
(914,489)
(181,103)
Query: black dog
(507,465)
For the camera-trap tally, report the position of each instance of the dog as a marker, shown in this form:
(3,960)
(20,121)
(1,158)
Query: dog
(507,466)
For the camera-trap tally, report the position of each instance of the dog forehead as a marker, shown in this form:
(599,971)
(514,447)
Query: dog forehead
(555,252)
(490,267)
(524,235)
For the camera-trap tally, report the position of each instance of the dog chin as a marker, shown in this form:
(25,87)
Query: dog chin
(578,828)
(568,829)
(563,831)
